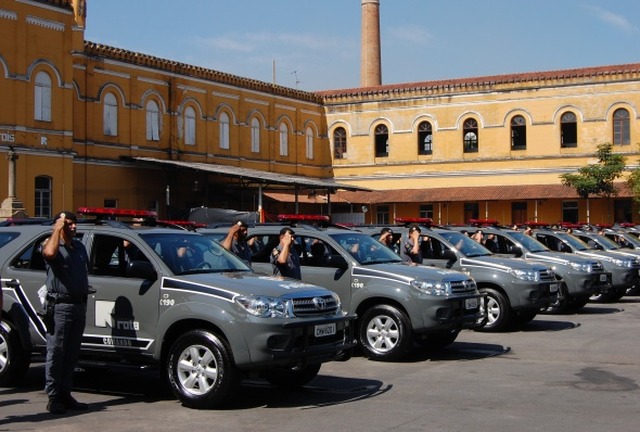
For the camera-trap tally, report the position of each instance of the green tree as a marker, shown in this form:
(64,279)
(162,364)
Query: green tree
(598,178)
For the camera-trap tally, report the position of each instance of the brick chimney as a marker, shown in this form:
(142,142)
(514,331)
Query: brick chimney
(370,65)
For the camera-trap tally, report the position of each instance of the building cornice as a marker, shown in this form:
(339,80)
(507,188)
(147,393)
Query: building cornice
(496,83)
(92,49)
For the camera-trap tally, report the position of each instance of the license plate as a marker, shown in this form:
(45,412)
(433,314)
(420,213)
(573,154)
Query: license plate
(471,303)
(603,278)
(553,288)
(324,330)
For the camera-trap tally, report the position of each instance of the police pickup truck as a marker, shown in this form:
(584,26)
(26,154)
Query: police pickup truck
(397,304)
(177,300)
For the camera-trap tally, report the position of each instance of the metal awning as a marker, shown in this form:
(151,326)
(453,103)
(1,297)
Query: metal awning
(256,176)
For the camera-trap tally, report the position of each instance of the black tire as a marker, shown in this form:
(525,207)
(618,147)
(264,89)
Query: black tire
(526,316)
(292,377)
(14,360)
(498,311)
(577,303)
(610,296)
(438,341)
(201,371)
(384,333)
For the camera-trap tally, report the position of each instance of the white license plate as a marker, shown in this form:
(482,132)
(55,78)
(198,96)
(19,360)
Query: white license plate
(603,278)
(553,288)
(324,330)
(471,303)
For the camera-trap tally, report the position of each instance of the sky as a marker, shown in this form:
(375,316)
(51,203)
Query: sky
(315,44)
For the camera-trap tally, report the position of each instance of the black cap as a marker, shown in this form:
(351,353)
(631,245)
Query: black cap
(67,215)
(285,230)
(386,230)
(242,223)
(413,228)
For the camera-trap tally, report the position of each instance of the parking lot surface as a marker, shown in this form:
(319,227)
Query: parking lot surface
(578,372)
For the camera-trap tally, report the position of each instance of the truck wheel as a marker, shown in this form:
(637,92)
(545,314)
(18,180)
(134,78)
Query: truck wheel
(498,310)
(200,370)
(525,316)
(384,333)
(292,377)
(14,360)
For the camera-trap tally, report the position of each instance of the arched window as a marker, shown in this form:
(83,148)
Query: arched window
(621,127)
(568,130)
(43,196)
(153,121)
(255,135)
(470,136)
(339,143)
(309,142)
(284,140)
(425,138)
(382,141)
(110,115)
(189,126)
(42,97)
(224,131)
(518,133)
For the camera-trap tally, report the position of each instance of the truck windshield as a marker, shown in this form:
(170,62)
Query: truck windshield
(366,249)
(186,253)
(466,245)
(529,243)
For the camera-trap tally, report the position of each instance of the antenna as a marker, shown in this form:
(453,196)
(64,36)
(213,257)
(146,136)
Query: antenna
(295,73)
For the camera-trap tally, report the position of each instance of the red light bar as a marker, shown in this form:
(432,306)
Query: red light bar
(302,218)
(535,224)
(115,212)
(414,220)
(484,222)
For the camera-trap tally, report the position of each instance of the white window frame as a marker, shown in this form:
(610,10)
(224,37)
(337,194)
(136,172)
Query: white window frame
(189,126)
(224,131)
(153,121)
(42,94)
(255,135)
(284,139)
(309,143)
(110,115)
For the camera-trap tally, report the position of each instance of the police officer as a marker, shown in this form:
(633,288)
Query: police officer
(67,284)
(284,257)
(236,241)
(412,250)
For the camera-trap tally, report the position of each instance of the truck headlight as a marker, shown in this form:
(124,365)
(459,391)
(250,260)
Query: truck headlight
(628,263)
(264,307)
(432,287)
(583,267)
(527,275)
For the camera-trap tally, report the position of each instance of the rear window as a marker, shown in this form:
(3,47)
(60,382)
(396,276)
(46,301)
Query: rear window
(6,237)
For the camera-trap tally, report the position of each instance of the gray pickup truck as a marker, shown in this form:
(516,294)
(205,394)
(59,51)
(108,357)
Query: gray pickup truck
(179,301)
(516,290)
(397,304)
(581,277)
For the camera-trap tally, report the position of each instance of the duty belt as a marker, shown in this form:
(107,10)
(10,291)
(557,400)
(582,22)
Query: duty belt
(66,299)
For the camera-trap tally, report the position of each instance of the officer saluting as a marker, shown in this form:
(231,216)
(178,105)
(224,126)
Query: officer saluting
(286,261)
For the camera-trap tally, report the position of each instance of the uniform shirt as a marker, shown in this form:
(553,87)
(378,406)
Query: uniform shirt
(242,250)
(291,268)
(406,251)
(67,273)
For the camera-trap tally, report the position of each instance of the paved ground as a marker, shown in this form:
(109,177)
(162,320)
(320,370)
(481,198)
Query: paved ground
(559,373)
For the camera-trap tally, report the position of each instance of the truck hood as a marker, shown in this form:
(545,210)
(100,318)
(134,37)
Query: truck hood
(406,272)
(233,284)
(561,258)
(502,263)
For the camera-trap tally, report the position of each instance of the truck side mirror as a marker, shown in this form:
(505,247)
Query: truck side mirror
(450,256)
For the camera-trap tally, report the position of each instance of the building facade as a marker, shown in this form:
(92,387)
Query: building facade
(84,124)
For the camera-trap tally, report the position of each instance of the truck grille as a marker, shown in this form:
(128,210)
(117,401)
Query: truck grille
(465,286)
(547,275)
(597,266)
(311,306)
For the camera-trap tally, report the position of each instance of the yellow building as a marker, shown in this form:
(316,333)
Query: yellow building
(488,147)
(84,124)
